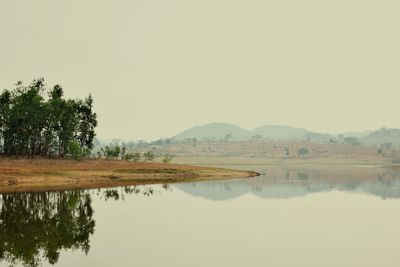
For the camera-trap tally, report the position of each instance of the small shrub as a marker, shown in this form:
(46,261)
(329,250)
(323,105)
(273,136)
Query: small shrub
(167,158)
(396,160)
(135,157)
(354,141)
(148,156)
(287,152)
(302,152)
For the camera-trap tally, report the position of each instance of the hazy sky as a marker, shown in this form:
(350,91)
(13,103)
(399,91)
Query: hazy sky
(156,67)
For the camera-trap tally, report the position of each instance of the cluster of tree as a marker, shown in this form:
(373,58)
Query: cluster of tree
(36,120)
(118,152)
(134,145)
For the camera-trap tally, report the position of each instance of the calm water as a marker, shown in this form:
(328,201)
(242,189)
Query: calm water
(290,216)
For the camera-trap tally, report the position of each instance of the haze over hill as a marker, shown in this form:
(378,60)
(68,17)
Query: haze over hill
(223,139)
(280,132)
(230,132)
(233,132)
(214,131)
(249,62)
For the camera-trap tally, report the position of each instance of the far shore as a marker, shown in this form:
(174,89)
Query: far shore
(311,161)
(37,175)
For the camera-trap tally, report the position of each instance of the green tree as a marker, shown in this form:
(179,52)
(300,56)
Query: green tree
(5,102)
(52,131)
(26,119)
(67,125)
(75,151)
(87,122)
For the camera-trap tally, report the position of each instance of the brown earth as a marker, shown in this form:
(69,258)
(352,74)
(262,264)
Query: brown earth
(42,174)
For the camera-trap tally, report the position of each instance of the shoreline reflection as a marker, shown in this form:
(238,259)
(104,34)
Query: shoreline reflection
(35,227)
(298,181)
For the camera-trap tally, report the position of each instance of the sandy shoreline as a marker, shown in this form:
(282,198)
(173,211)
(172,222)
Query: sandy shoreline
(43,175)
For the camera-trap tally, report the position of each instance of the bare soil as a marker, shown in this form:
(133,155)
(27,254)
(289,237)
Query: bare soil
(43,174)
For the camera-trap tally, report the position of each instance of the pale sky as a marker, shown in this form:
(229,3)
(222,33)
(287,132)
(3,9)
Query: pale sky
(156,67)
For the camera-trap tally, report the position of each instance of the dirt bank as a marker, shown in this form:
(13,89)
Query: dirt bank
(43,175)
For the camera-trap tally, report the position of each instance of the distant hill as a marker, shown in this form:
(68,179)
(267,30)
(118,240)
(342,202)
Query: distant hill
(355,134)
(280,132)
(232,132)
(215,131)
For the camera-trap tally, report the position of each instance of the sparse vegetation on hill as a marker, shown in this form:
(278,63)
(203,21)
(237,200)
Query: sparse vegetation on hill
(389,138)
(382,145)
(270,149)
(232,133)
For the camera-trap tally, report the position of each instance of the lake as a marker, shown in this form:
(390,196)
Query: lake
(289,216)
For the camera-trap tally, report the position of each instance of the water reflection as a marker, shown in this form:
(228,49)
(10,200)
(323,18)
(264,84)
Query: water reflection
(117,193)
(295,181)
(35,227)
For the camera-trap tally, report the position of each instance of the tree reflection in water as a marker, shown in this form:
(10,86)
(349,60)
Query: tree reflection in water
(35,227)
(120,192)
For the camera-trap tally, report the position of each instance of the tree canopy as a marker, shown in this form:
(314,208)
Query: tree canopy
(37,120)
